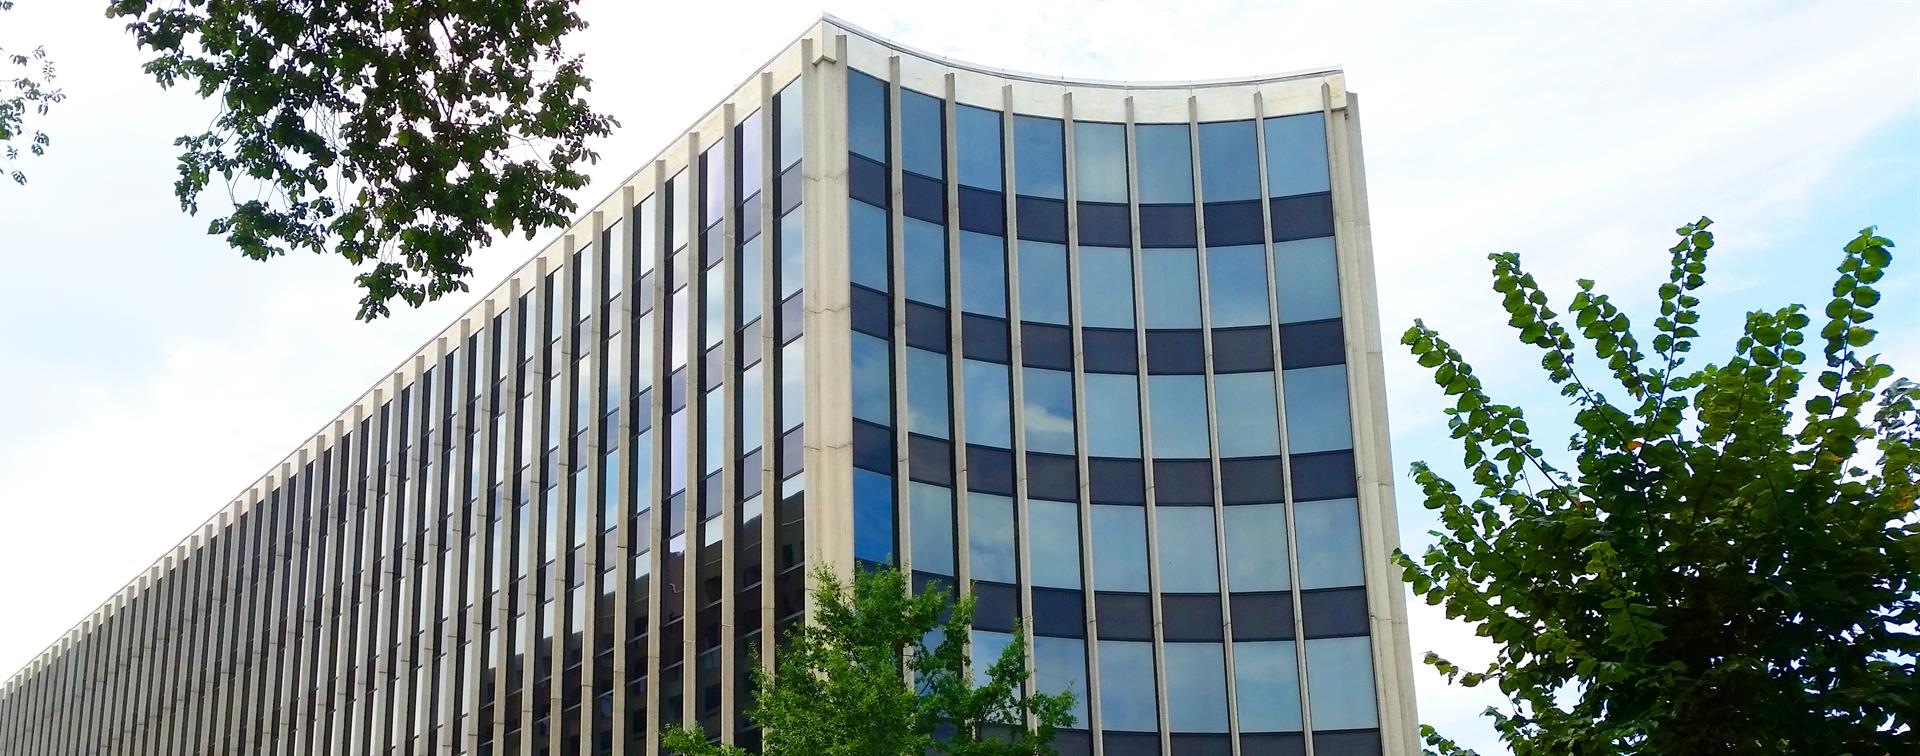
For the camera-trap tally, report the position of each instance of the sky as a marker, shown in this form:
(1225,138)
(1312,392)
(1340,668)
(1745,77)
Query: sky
(156,373)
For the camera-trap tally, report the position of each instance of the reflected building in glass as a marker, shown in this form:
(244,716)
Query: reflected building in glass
(1105,355)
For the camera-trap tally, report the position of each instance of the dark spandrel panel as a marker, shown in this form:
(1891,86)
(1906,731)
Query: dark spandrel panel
(1273,744)
(872,312)
(1073,742)
(792,318)
(1124,616)
(710,498)
(713,244)
(984,338)
(749,218)
(1042,219)
(793,450)
(1110,350)
(643,419)
(989,470)
(750,475)
(927,582)
(713,368)
(1105,225)
(1052,476)
(872,447)
(998,607)
(644,303)
(1167,226)
(1176,353)
(1335,613)
(750,344)
(983,211)
(677,391)
(1130,743)
(1347,743)
(1313,344)
(1326,475)
(867,181)
(1252,480)
(1242,350)
(1059,613)
(927,327)
(1262,616)
(1047,346)
(1117,481)
(925,198)
(1191,616)
(1182,482)
(1199,744)
(929,460)
(790,183)
(1303,217)
(1230,223)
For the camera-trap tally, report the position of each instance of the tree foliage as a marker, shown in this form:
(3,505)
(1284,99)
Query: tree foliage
(28,93)
(400,134)
(842,687)
(1730,565)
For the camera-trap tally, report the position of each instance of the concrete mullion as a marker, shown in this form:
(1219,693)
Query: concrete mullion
(273,626)
(341,557)
(220,738)
(656,227)
(474,455)
(623,494)
(170,698)
(306,716)
(504,462)
(730,504)
(417,580)
(590,461)
(897,324)
(559,397)
(287,657)
(265,611)
(1016,368)
(769,295)
(694,192)
(385,580)
(1091,630)
(366,609)
(535,344)
(447,488)
(956,349)
(826,293)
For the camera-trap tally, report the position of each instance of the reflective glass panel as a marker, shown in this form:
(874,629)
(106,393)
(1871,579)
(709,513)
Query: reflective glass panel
(1113,415)
(1340,683)
(872,516)
(1256,547)
(1166,163)
(1329,541)
(926,261)
(1229,170)
(1043,282)
(867,245)
(1040,154)
(1106,287)
(978,147)
(1060,666)
(791,136)
(793,384)
(1119,548)
(1171,281)
(1267,686)
(983,274)
(989,404)
(1306,281)
(1296,155)
(1188,563)
(1196,687)
(1179,416)
(752,404)
(1317,409)
(1057,525)
(867,116)
(792,235)
(927,393)
(990,554)
(1249,423)
(872,388)
(1049,410)
(988,645)
(1100,161)
(1127,700)
(932,528)
(1237,285)
(920,134)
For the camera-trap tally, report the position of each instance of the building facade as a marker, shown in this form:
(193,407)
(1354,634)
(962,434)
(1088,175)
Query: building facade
(1104,354)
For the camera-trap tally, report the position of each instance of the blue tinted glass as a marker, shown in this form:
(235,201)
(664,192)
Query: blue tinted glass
(1106,287)
(750,155)
(750,274)
(792,233)
(752,385)
(1237,285)
(1296,155)
(791,123)
(713,431)
(1306,281)
(927,393)
(1179,416)
(643,468)
(1340,683)
(989,404)
(1127,700)
(793,384)
(1043,282)
(1119,548)
(1329,541)
(1057,525)
(932,510)
(1196,687)
(867,245)
(990,554)
(983,274)
(1049,410)
(872,516)
(926,261)
(1317,409)
(1170,279)
(867,116)
(978,146)
(1256,547)
(1060,666)
(677,452)
(1100,161)
(1188,563)
(713,295)
(1229,170)
(1267,686)
(1113,415)
(921,149)
(1040,155)
(643,345)
(1249,421)
(1166,163)
(988,645)
(872,389)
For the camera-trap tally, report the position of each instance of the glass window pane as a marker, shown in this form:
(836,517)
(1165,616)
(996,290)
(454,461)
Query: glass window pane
(1057,525)
(792,234)
(867,116)
(1171,282)
(1340,683)
(1317,409)
(1049,410)
(867,245)
(1119,548)
(750,269)
(872,384)
(1306,280)
(1267,684)
(988,645)
(1040,154)
(989,404)
(920,134)
(677,452)
(793,384)
(679,211)
(1249,421)
(927,393)
(1329,541)
(926,261)
(872,516)
(791,123)
(983,274)
(1127,700)
(1296,155)
(679,330)
(1256,547)
(1106,287)
(1229,172)
(1166,163)
(1113,415)
(1196,687)
(1237,285)
(713,295)
(1043,282)
(1060,666)
(990,554)
(1179,416)
(645,250)
(1100,161)
(932,528)
(713,431)
(1188,563)
(752,400)
(978,147)
(750,155)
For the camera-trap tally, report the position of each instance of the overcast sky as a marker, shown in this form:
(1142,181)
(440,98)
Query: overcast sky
(154,373)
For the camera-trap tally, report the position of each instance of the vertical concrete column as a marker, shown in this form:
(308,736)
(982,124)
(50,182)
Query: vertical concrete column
(622,556)
(826,298)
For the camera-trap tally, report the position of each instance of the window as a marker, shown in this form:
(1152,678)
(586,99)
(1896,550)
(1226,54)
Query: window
(752,405)
(1249,423)
(679,211)
(713,431)
(990,554)
(1113,415)
(867,245)
(1306,280)
(1056,525)
(1296,155)
(1179,416)
(792,236)
(872,516)
(1329,541)
(983,274)
(926,261)
(932,528)
(1340,683)
(1100,161)
(1187,560)
(1043,282)
(677,452)
(978,146)
(1317,409)
(1127,700)
(1267,683)
(867,116)
(1106,287)
(679,330)
(1196,687)
(1049,410)
(921,134)
(1166,163)
(1060,666)
(1119,548)
(872,385)
(1040,157)
(750,155)
(793,384)
(927,393)
(988,645)
(1229,172)
(1171,282)
(1237,285)
(1256,547)
(645,249)
(713,295)
(792,142)
(989,404)
(749,267)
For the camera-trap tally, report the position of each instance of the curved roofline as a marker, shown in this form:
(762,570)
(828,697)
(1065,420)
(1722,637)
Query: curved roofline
(1068,80)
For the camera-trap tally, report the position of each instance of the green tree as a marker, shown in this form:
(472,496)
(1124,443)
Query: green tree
(1728,565)
(399,134)
(841,686)
(29,93)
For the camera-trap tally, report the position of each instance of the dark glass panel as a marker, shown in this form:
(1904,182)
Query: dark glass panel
(1262,616)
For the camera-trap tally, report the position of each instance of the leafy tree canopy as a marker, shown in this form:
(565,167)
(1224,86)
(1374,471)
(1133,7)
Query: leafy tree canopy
(883,672)
(1729,565)
(26,91)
